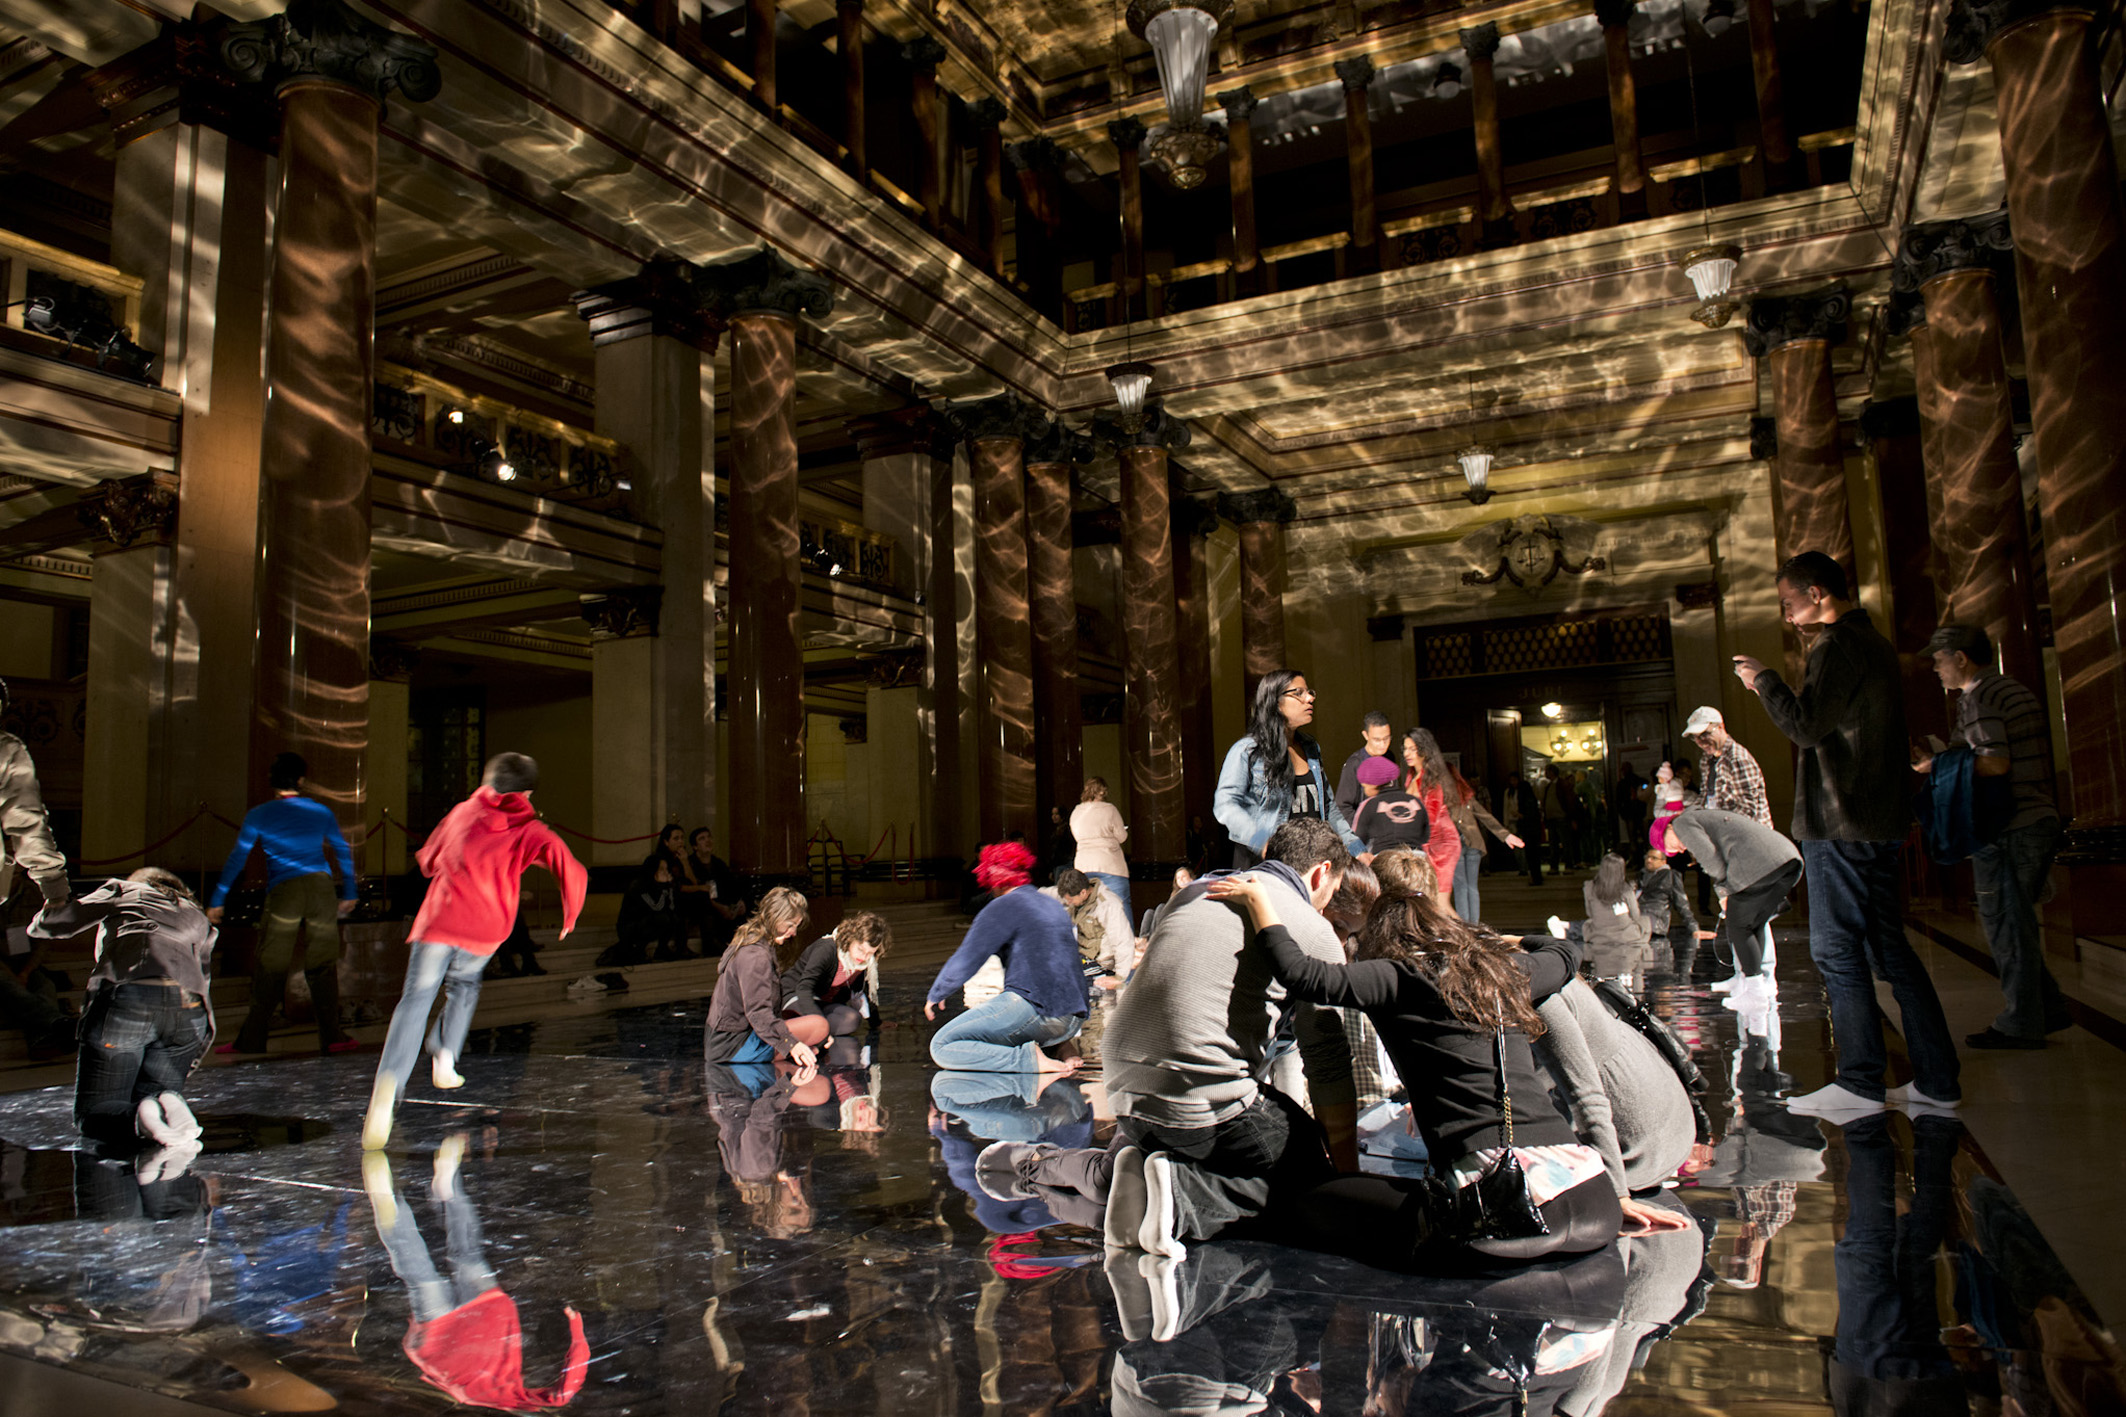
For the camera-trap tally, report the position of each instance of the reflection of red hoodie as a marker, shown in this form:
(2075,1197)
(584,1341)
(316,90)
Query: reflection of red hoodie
(475,1353)
(476,858)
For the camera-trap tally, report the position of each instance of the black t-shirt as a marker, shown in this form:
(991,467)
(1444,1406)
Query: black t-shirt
(1306,796)
(1393,817)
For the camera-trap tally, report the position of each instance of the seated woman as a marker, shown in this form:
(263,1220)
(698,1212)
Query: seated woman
(649,916)
(1626,1101)
(745,1021)
(827,992)
(148,1020)
(1455,1006)
(1617,934)
(1043,1001)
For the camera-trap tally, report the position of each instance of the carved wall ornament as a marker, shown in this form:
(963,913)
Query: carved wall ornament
(1265,504)
(667,296)
(1531,551)
(1615,14)
(1698,595)
(1764,438)
(987,113)
(1034,155)
(1057,442)
(894,669)
(923,52)
(1127,134)
(1938,248)
(122,510)
(1779,320)
(624,613)
(392,661)
(327,39)
(762,282)
(1481,41)
(1160,429)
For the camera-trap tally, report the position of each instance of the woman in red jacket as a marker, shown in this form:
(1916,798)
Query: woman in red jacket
(1427,777)
(475,860)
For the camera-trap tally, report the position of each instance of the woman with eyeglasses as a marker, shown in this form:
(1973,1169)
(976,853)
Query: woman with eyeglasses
(1275,772)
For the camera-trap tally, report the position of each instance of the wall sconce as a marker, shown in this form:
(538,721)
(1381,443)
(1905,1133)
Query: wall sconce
(1476,467)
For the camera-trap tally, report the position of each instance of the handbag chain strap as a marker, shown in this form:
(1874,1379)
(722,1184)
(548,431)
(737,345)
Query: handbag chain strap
(1498,1051)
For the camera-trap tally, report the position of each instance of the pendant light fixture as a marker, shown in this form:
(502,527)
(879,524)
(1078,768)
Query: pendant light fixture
(1132,380)
(1181,33)
(1710,265)
(1476,467)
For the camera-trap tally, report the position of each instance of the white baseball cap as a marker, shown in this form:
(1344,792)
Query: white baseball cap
(1701,719)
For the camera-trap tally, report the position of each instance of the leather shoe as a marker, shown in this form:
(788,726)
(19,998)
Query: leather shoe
(1993,1038)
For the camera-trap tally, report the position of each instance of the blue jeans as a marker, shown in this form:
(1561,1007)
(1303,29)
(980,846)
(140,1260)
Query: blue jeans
(2010,876)
(1117,886)
(137,1041)
(1856,936)
(1468,870)
(1011,1107)
(429,968)
(429,1294)
(1004,1035)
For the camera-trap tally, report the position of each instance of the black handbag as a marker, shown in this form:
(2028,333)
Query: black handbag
(1509,1211)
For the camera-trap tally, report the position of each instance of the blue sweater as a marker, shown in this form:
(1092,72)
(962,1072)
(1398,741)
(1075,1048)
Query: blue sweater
(1033,935)
(296,832)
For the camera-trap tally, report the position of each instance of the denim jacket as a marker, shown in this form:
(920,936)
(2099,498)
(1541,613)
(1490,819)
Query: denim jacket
(1242,802)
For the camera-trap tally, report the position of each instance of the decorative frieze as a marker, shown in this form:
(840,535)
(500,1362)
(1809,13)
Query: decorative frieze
(123,510)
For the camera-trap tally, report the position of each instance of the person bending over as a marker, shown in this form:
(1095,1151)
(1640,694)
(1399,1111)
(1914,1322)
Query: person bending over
(475,860)
(745,1022)
(1043,1001)
(148,1019)
(1754,869)
(1455,1006)
(1106,944)
(827,992)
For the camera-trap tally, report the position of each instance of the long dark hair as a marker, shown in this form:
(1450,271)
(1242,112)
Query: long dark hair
(1469,964)
(1273,740)
(1437,773)
(1610,879)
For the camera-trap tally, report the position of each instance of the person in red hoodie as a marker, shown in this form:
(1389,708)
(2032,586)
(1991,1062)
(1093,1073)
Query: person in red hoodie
(475,860)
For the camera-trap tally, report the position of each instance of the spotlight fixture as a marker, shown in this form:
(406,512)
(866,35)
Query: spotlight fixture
(455,415)
(1719,17)
(1446,81)
(1476,467)
(1132,381)
(1552,710)
(506,471)
(1712,275)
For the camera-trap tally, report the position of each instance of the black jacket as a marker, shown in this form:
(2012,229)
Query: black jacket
(1664,902)
(1848,719)
(808,985)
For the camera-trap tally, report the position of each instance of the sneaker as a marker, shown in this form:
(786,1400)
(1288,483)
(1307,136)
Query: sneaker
(149,1122)
(1910,1097)
(1160,1234)
(179,1119)
(1126,1199)
(376,1125)
(1835,1102)
(1990,1037)
(164,1163)
(443,1074)
(1752,994)
(585,987)
(1133,1300)
(1556,926)
(1724,986)
(1162,1276)
(997,1170)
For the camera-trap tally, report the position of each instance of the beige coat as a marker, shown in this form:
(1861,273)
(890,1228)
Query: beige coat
(1099,831)
(25,834)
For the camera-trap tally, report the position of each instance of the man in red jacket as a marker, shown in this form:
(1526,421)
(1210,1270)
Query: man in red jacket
(475,860)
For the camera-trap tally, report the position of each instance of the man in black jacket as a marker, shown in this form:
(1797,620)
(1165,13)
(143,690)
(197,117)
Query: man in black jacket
(1851,811)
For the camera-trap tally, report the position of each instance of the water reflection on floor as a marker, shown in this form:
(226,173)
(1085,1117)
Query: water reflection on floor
(598,1222)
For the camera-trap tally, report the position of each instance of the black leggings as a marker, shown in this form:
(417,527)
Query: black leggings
(1383,1222)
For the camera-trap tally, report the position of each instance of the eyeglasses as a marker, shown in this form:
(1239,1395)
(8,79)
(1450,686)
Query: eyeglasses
(1297,694)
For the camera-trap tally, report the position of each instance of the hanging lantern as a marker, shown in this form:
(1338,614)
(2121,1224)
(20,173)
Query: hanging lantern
(1180,33)
(1712,275)
(1132,382)
(1476,467)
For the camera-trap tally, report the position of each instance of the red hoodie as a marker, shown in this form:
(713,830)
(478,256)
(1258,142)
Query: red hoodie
(475,1353)
(475,859)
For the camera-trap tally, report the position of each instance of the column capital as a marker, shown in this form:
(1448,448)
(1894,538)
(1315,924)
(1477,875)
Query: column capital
(1238,103)
(1058,443)
(623,613)
(1159,429)
(1034,155)
(663,298)
(923,53)
(987,113)
(1764,439)
(1355,73)
(1904,313)
(1615,14)
(1127,134)
(848,7)
(1975,24)
(1939,248)
(1776,321)
(1882,419)
(898,432)
(391,660)
(123,510)
(1265,504)
(1481,42)
(762,283)
(1006,416)
(1193,516)
(327,39)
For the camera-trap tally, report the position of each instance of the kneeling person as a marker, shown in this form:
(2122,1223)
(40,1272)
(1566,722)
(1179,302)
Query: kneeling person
(1043,1001)
(827,992)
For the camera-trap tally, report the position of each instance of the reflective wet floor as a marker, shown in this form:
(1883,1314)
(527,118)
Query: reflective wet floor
(598,1222)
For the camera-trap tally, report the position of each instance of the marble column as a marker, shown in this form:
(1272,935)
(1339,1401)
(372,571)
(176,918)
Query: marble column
(1194,520)
(1240,173)
(1127,134)
(2070,242)
(1981,534)
(1892,431)
(1356,75)
(131,622)
(760,298)
(1493,208)
(1152,720)
(987,115)
(849,18)
(1035,223)
(1260,517)
(1796,334)
(331,70)
(1773,145)
(996,431)
(1059,734)
(923,54)
(652,347)
(625,759)
(1615,17)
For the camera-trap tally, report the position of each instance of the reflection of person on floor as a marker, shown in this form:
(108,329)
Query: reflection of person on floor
(1767,1154)
(751,1104)
(25,831)
(971,1110)
(465,1336)
(1043,1001)
(1664,1288)
(304,850)
(827,992)
(1890,1357)
(148,1020)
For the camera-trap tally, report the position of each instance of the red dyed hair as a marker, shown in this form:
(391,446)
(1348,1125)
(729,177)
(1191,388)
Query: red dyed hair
(1004,866)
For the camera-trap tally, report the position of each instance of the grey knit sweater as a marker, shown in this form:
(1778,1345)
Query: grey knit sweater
(1734,851)
(1188,1039)
(1624,1099)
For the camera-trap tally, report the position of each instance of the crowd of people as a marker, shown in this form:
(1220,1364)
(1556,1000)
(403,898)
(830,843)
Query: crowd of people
(1254,1008)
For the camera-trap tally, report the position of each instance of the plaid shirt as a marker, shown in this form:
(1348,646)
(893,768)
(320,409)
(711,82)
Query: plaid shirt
(1734,782)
